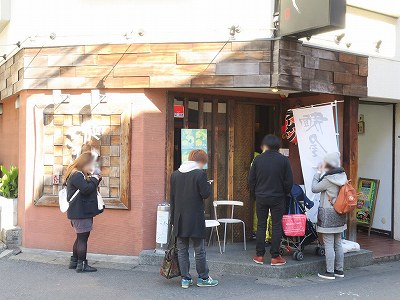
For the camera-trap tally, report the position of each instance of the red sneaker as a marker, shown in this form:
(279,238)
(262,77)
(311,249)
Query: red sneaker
(278,261)
(258,260)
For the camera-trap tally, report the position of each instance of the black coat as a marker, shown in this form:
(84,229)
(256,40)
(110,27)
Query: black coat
(271,175)
(84,205)
(188,191)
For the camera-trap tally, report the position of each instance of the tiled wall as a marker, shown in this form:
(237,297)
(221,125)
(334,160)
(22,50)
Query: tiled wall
(63,137)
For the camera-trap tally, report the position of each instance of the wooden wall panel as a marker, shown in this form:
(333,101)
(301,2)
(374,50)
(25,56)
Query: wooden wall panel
(350,154)
(282,63)
(305,68)
(243,156)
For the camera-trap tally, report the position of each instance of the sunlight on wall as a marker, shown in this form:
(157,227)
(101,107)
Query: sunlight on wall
(104,21)
(363,30)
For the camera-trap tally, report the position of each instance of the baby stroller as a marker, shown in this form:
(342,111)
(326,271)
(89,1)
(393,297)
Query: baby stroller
(298,201)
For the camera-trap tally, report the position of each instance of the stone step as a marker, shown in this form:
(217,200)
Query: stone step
(237,261)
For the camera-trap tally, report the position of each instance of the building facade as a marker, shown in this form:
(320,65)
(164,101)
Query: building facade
(116,84)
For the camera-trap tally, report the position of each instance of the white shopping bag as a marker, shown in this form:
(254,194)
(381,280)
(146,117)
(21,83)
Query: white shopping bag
(349,246)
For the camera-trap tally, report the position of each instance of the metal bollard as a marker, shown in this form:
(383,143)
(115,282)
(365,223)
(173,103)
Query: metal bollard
(162,227)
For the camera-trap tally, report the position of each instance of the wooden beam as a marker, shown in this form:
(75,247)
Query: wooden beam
(231,145)
(350,154)
(214,145)
(169,160)
(201,113)
(186,116)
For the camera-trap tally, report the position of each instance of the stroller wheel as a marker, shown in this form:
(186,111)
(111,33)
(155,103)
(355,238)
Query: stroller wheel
(298,255)
(281,251)
(320,251)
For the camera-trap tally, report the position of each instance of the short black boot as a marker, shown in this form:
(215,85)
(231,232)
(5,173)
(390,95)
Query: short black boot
(73,263)
(84,267)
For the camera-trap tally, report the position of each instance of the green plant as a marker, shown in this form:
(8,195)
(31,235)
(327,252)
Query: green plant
(9,182)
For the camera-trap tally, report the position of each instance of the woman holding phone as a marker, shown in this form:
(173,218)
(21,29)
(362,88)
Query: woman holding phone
(80,179)
(328,181)
(189,188)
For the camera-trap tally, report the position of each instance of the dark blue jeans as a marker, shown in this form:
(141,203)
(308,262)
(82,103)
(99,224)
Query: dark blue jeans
(183,257)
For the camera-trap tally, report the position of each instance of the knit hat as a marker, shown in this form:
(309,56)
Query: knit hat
(333,159)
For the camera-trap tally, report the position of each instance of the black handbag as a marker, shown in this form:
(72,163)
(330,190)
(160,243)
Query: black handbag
(170,264)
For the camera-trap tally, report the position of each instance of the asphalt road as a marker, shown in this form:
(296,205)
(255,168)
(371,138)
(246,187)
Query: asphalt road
(29,280)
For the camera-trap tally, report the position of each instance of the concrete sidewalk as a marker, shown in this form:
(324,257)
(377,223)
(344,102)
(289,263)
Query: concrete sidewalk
(104,261)
(234,261)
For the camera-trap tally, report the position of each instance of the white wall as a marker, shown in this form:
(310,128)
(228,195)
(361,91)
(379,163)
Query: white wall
(396,226)
(363,29)
(384,78)
(375,158)
(106,21)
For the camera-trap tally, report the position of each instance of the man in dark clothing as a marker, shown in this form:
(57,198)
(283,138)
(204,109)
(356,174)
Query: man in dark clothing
(270,179)
(189,188)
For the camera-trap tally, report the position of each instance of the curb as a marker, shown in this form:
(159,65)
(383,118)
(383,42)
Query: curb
(388,258)
(104,261)
(291,269)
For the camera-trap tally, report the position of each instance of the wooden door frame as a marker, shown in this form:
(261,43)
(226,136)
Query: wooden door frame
(231,102)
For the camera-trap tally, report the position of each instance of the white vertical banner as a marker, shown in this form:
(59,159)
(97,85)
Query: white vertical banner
(316,136)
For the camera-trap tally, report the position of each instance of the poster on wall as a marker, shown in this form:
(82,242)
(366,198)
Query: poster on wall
(366,202)
(193,139)
(316,137)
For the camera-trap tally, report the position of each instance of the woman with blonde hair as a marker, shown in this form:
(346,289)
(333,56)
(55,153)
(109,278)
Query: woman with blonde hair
(80,179)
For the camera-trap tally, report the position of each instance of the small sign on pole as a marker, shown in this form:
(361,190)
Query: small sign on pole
(179,111)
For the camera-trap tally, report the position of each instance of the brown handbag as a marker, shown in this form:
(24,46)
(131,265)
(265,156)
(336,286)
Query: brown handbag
(170,265)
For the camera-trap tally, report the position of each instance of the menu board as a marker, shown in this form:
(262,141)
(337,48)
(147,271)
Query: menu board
(193,139)
(368,190)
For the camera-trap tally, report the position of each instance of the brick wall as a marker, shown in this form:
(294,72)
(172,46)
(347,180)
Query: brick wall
(9,138)
(123,232)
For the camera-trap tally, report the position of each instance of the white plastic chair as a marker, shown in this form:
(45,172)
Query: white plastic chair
(214,224)
(230,220)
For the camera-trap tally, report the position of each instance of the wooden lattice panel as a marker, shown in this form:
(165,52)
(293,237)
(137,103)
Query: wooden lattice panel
(243,153)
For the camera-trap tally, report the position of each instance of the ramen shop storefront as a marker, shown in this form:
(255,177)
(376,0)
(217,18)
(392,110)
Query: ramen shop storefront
(143,121)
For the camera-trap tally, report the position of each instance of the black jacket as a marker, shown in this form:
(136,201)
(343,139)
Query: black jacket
(188,191)
(84,205)
(271,175)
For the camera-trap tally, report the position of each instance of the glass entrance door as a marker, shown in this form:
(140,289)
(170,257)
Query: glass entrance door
(208,113)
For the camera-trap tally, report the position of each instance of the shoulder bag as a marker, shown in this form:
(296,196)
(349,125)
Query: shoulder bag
(170,264)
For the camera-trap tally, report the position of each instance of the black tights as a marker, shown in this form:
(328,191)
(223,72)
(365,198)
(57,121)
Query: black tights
(80,246)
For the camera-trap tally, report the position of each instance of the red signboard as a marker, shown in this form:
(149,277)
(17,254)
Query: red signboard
(179,111)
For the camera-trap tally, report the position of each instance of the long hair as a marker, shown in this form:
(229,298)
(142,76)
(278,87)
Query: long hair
(78,164)
(86,147)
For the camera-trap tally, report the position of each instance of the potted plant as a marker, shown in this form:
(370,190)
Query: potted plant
(9,197)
